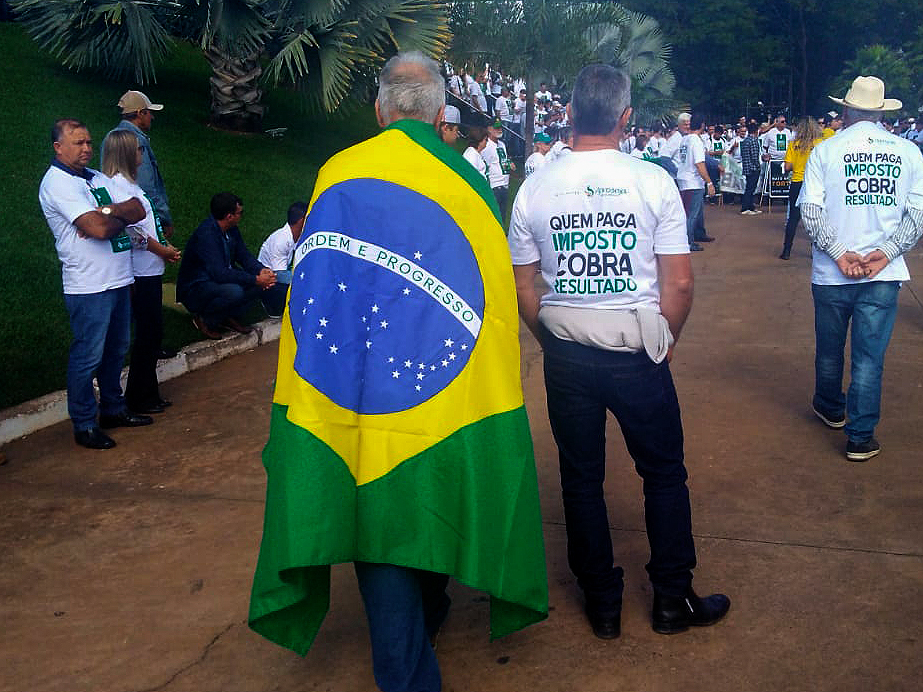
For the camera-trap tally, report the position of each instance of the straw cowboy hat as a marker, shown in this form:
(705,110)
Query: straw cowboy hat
(868,94)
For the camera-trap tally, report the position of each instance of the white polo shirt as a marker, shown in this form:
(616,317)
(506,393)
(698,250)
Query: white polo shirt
(88,265)
(596,221)
(473,156)
(498,163)
(864,178)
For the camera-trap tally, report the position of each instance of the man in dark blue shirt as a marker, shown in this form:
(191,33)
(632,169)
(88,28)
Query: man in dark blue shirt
(219,276)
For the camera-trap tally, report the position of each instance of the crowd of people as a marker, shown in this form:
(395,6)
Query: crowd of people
(376,438)
(112,229)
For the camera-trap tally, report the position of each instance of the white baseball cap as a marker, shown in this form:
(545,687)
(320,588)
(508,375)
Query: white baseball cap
(452,115)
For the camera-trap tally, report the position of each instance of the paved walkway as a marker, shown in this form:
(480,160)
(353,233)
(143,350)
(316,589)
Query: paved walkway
(129,570)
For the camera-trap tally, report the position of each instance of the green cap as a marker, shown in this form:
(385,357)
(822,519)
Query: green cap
(497,123)
(541,137)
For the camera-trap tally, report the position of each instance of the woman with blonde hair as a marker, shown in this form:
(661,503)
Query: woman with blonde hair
(149,251)
(807,135)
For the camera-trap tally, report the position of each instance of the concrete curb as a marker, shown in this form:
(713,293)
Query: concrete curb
(39,413)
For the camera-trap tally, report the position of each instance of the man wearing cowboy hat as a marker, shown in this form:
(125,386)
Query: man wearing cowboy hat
(862,205)
(137,115)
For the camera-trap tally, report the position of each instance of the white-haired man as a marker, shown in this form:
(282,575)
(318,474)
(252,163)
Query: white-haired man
(862,205)
(402,304)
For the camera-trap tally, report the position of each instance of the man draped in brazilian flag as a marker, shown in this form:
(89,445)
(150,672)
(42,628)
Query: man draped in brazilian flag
(399,438)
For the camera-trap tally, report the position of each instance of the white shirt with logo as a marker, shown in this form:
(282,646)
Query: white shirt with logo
(498,163)
(143,261)
(864,178)
(535,162)
(276,250)
(775,143)
(88,265)
(670,147)
(596,221)
(473,156)
(691,151)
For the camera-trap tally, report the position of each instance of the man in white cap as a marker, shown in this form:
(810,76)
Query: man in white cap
(137,116)
(448,128)
(862,205)
(834,124)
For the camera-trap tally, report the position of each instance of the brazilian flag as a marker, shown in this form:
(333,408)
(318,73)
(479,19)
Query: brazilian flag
(398,432)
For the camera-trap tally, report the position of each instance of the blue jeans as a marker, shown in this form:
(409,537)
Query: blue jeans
(872,307)
(692,203)
(581,384)
(404,607)
(101,325)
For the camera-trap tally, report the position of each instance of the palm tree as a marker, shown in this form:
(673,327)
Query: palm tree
(327,49)
(637,46)
(550,40)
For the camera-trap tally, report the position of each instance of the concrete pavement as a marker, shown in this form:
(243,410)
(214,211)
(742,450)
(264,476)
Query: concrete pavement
(129,570)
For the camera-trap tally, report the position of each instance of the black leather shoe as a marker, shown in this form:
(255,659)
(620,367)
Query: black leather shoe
(605,626)
(166,354)
(166,403)
(695,247)
(674,614)
(704,239)
(125,419)
(94,438)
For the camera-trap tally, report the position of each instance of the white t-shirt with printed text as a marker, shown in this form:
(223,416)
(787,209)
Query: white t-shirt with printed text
(143,261)
(864,178)
(596,221)
(473,156)
(691,151)
(535,162)
(775,142)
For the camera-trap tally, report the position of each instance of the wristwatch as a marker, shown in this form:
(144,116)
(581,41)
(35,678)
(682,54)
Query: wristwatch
(106,210)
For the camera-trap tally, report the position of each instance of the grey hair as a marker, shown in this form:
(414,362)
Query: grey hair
(854,115)
(410,86)
(601,95)
(684,117)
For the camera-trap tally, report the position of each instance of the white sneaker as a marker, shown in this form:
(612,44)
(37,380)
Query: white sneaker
(748,212)
(757,211)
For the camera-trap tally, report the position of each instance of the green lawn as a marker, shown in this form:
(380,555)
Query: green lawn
(195,159)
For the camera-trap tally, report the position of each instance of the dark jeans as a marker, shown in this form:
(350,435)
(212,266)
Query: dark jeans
(101,325)
(216,302)
(872,307)
(141,390)
(502,193)
(794,216)
(746,203)
(405,607)
(273,299)
(581,384)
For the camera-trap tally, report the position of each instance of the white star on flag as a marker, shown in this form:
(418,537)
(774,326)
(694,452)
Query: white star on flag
(374,308)
(384,324)
(323,322)
(395,374)
(448,342)
(406,291)
(417,255)
(334,349)
(310,300)
(368,344)
(418,388)
(391,359)
(341,286)
(464,347)
(451,356)
(318,335)
(407,363)
(422,366)
(420,375)
(445,363)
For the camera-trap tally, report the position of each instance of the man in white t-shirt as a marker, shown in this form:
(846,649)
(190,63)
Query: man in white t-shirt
(671,146)
(541,146)
(608,234)
(95,253)
(862,205)
(276,253)
(543,94)
(499,165)
(774,141)
(694,182)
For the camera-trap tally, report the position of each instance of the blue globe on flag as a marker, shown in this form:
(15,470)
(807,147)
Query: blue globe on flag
(384,317)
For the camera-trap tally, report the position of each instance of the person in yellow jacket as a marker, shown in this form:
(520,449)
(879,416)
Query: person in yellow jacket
(807,135)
